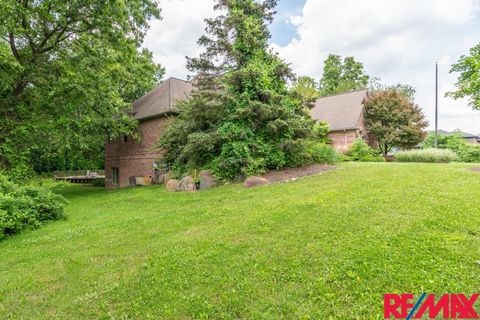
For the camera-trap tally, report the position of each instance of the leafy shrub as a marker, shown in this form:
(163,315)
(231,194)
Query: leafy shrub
(302,153)
(345,158)
(321,153)
(320,132)
(469,153)
(23,207)
(426,155)
(98,182)
(453,142)
(361,151)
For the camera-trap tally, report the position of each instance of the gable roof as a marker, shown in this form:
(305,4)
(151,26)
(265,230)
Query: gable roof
(341,111)
(464,135)
(162,99)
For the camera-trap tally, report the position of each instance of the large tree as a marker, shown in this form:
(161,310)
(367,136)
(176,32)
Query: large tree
(342,75)
(407,90)
(394,120)
(468,82)
(306,89)
(69,71)
(242,117)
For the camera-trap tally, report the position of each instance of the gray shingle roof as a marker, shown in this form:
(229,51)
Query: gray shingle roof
(162,99)
(464,135)
(341,111)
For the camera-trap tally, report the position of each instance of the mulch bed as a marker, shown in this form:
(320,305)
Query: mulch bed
(294,173)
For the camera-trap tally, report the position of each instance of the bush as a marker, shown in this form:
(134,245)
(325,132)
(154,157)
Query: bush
(426,155)
(23,207)
(469,153)
(360,151)
(321,153)
(99,182)
(453,142)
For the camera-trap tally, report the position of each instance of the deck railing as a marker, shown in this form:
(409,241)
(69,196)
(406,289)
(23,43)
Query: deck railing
(79,173)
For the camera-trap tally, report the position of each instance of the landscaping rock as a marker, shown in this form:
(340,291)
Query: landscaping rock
(172,185)
(255,182)
(167,177)
(206,180)
(187,184)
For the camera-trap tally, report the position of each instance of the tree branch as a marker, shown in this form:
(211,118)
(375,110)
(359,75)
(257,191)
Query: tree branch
(13,46)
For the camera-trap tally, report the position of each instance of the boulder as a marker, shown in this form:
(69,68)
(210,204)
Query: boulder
(206,180)
(172,185)
(255,182)
(167,177)
(187,184)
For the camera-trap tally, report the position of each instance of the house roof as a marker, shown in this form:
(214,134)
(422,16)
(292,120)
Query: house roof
(341,111)
(162,99)
(464,135)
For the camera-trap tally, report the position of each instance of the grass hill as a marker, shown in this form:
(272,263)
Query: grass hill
(325,246)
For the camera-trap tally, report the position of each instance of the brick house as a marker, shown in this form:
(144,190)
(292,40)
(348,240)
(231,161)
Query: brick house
(345,117)
(128,161)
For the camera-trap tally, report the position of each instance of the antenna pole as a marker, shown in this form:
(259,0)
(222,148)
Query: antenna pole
(436,105)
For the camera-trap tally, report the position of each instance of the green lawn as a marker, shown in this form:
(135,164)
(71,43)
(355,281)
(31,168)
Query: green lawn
(325,246)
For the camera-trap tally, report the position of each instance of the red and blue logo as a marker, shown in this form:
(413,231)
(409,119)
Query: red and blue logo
(430,306)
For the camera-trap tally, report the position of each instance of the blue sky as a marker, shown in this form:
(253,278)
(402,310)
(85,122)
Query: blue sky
(282,31)
(398,41)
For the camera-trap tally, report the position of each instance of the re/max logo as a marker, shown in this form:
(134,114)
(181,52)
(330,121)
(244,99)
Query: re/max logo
(448,306)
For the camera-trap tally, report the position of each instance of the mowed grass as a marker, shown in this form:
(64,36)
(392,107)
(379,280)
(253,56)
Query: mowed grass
(327,246)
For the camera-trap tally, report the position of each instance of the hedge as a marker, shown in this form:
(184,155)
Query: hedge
(426,155)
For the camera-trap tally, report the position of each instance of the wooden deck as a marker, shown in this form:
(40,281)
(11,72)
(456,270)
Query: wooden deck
(85,176)
(79,179)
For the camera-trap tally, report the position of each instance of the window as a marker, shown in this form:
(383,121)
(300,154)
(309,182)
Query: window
(125,139)
(115,176)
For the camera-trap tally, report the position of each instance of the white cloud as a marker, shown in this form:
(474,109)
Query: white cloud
(397,40)
(176,35)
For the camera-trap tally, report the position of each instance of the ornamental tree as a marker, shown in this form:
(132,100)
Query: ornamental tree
(394,120)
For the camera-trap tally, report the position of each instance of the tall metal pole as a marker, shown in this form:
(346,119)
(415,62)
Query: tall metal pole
(436,105)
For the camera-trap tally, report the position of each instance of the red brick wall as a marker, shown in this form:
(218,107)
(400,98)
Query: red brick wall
(134,158)
(343,140)
(369,138)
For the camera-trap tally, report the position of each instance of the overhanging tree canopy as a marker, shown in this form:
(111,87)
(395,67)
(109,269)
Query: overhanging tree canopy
(69,70)
(468,82)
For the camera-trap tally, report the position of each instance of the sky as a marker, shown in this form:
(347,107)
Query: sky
(398,41)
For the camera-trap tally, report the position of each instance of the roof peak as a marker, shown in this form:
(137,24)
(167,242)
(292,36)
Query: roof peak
(343,93)
(174,78)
